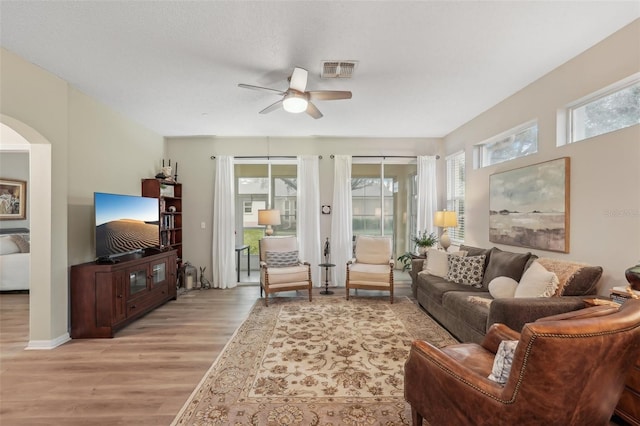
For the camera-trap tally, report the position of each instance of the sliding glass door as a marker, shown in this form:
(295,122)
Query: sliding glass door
(384,200)
(262,185)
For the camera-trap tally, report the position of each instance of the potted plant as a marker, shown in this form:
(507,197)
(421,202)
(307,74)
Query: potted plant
(423,240)
(406,259)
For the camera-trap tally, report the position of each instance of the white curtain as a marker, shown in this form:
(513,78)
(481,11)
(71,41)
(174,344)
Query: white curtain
(427,197)
(341,213)
(224,224)
(309,213)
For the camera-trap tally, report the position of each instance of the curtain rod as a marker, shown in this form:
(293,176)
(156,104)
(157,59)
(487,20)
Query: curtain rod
(268,157)
(384,156)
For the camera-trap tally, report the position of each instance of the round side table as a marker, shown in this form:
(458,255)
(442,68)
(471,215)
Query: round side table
(326,267)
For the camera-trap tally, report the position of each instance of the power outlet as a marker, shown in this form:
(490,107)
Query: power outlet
(203,225)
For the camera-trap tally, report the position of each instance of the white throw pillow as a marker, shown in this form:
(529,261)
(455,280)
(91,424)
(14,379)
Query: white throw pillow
(502,287)
(503,360)
(537,282)
(8,246)
(438,263)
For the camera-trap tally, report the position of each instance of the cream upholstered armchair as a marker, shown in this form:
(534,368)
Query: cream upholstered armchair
(372,267)
(280,267)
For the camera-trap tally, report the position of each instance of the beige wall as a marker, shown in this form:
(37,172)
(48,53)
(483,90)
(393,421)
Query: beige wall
(90,148)
(196,171)
(605,177)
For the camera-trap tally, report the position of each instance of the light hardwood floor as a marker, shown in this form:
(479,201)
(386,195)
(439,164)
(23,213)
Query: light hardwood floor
(143,376)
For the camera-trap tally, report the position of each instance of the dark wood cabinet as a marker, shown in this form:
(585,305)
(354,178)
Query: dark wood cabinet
(106,297)
(628,407)
(170,196)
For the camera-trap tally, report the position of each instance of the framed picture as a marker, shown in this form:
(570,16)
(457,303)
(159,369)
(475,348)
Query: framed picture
(13,199)
(529,206)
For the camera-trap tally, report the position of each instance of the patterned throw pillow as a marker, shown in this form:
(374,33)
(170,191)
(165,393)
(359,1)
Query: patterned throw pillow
(281,259)
(466,270)
(503,360)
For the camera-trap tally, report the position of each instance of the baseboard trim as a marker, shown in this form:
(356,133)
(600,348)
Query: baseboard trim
(48,344)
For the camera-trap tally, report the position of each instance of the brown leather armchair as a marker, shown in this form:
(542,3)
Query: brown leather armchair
(567,369)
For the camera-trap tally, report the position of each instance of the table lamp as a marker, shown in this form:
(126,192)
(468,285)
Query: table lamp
(445,219)
(268,217)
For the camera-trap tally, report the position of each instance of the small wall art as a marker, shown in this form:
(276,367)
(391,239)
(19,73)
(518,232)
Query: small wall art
(529,206)
(13,199)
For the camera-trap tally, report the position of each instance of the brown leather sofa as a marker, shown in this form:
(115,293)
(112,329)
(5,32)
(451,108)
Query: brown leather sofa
(567,370)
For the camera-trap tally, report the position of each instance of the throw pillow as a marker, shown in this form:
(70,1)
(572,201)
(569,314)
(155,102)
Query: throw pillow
(8,246)
(502,287)
(505,264)
(281,259)
(466,270)
(437,261)
(537,282)
(503,361)
(21,242)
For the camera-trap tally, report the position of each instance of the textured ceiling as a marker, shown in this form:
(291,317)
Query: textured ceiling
(425,67)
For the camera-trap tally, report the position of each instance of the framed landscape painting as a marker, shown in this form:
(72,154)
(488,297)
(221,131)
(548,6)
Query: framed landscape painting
(529,206)
(13,199)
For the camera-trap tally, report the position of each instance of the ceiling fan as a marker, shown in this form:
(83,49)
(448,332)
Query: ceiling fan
(295,99)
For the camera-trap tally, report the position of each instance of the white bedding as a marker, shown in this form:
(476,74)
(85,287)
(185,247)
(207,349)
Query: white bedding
(14,259)
(14,271)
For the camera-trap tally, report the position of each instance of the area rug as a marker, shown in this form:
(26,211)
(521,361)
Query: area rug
(328,362)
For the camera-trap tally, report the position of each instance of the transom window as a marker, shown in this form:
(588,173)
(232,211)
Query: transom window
(611,109)
(514,143)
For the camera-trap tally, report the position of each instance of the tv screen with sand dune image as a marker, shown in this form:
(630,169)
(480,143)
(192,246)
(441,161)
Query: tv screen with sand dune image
(125,224)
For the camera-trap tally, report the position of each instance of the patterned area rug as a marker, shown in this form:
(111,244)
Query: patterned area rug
(328,362)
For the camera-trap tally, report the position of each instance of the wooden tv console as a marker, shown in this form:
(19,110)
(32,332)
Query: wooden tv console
(106,297)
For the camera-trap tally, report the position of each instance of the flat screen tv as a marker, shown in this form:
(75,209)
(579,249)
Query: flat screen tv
(125,224)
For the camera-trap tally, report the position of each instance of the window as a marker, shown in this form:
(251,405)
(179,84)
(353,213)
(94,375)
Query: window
(514,143)
(260,186)
(611,109)
(455,193)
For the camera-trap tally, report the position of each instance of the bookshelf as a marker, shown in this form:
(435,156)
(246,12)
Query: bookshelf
(170,195)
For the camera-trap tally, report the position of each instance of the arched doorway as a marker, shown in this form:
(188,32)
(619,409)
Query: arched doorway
(42,318)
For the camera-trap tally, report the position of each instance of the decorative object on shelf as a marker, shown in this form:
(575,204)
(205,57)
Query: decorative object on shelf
(268,217)
(445,219)
(13,199)
(327,251)
(529,206)
(632,275)
(172,209)
(165,174)
(424,240)
(326,209)
(204,282)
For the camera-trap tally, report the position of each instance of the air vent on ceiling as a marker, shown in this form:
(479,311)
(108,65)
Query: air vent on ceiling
(338,69)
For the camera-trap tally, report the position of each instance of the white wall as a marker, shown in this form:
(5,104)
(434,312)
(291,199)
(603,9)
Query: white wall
(89,147)
(196,172)
(605,177)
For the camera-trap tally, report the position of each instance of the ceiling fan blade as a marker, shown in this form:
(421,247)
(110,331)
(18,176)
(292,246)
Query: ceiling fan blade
(299,79)
(328,95)
(274,106)
(262,89)
(313,111)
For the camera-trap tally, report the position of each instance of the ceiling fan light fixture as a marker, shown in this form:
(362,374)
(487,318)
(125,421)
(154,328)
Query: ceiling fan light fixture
(295,103)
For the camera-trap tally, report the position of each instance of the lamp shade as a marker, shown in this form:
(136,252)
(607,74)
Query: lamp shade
(445,219)
(269,217)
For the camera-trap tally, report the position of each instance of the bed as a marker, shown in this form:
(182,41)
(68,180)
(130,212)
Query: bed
(14,259)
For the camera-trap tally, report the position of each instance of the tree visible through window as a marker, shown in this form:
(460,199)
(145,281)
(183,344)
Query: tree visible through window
(607,113)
